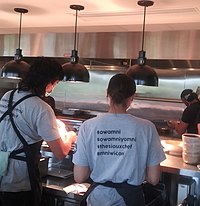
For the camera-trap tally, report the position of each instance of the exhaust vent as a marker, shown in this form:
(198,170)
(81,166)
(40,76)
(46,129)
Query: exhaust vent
(188,11)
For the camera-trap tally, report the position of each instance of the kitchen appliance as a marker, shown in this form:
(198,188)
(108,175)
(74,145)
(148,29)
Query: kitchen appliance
(190,200)
(43,166)
(155,195)
(186,187)
(57,172)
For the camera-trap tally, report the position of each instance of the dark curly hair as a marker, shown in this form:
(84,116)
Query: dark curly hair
(120,88)
(43,70)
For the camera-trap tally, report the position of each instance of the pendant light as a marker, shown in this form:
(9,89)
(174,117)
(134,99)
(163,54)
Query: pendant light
(140,72)
(73,71)
(16,68)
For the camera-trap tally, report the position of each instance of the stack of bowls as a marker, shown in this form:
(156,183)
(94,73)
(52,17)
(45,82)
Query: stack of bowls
(191,148)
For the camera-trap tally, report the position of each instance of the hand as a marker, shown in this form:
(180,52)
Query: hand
(71,136)
(61,129)
(171,124)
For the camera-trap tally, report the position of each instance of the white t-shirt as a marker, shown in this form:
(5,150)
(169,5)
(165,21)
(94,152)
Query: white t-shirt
(118,148)
(35,120)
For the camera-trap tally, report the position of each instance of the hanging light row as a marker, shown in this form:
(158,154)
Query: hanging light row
(141,73)
(73,70)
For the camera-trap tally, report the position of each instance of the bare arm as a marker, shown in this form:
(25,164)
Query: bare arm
(59,148)
(153,174)
(81,173)
(180,127)
(198,127)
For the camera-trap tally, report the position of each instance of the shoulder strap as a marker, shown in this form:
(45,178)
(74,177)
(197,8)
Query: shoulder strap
(11,107)
(9,112)
(32,168)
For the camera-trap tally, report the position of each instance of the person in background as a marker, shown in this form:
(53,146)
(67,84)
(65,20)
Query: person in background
(23,126)
(51,101)
(189,119)
(198,123)
(118,151)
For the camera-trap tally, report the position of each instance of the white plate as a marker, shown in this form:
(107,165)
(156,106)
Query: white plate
(173,147)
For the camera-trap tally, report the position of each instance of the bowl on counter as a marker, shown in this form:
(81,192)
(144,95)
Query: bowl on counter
(173,147)
(191,147)
(191,158)
(191,138)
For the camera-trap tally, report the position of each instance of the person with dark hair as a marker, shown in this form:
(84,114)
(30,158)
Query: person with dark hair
(189,119)
(26,120)
(117,151)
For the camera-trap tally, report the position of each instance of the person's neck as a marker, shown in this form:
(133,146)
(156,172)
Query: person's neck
(117,110)
(194,101)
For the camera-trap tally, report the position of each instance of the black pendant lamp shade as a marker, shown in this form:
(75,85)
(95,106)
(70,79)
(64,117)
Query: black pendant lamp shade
(74,71)
(16,68)
(140,72)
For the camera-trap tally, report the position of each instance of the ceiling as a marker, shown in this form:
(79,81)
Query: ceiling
(99,16)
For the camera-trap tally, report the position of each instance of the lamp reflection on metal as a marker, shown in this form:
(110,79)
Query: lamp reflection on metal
(16,68)
(74,71)
(140,72)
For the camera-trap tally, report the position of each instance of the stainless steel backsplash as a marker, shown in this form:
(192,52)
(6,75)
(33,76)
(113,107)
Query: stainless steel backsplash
(173,54)
(158,45)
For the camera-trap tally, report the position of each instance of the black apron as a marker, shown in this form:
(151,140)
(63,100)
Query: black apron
(32,153)
(132,195)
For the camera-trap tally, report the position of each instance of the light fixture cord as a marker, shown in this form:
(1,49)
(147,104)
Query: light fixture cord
(20,29)
(75,32)
(143,30)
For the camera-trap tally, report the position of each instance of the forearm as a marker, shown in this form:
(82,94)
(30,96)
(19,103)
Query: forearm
(81,173)
(198,126)
(59,148)
(179,126)
(153,174)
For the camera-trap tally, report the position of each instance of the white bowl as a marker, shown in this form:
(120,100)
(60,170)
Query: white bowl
(174,147)
(191,138)
(191,147)
(191,158)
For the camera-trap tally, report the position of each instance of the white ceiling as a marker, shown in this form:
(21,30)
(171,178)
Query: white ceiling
(99,16)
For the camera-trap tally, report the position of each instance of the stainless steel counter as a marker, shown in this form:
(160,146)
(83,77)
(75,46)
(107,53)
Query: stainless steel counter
(176,168)
(176,165)
(53,188)
(172,165)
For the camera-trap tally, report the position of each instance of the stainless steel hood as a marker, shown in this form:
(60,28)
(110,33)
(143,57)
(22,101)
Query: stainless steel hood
(165,45)
(174,54)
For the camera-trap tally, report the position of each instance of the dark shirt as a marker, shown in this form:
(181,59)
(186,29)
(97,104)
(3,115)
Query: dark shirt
(190,116)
